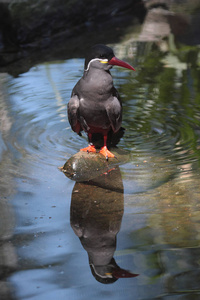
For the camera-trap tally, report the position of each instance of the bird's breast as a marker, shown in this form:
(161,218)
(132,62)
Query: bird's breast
(94,93)
(97,83)
(94,113)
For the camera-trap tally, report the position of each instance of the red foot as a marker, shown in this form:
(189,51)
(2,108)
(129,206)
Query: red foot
(90,148)
(104,150)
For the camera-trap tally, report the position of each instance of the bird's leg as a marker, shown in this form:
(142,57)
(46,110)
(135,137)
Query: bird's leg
(91,147)
(104,150)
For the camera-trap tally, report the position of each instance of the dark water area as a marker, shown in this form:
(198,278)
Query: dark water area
(148,223)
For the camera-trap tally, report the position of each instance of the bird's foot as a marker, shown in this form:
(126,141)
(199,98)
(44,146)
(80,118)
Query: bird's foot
(104,150)
(90,148)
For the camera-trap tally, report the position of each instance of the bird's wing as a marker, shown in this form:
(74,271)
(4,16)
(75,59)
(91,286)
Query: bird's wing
(72,109)
(114,112)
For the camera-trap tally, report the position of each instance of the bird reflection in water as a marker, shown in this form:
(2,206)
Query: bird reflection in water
(96,213)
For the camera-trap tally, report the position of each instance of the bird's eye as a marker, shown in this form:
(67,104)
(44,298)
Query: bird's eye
(102,56)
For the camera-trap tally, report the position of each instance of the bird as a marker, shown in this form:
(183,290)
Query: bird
(95,106)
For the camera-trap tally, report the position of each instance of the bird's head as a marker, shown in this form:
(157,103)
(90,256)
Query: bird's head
(110,273)
(102,57)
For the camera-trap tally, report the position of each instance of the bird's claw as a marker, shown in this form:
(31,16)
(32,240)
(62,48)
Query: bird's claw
(90,148)
(105,152)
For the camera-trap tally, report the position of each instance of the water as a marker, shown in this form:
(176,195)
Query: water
(154,212)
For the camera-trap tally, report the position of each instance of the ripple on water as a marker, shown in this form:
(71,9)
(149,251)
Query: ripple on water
(39,106)
(153,128)
(161,128)
(161,145)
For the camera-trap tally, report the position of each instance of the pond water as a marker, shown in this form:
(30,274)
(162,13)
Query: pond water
(149,223)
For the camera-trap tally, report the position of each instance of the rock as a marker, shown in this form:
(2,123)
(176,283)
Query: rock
(85,166)
(49,30)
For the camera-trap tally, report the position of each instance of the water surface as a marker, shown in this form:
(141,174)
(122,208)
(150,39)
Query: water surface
(154,217)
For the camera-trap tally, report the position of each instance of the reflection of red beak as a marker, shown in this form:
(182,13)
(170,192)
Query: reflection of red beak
(117,62)
(120,273)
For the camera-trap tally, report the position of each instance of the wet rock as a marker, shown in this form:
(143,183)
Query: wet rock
(47,30)
(85,166)
(165,17)
(32,32)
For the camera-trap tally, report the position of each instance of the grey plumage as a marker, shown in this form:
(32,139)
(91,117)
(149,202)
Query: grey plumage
(95,106)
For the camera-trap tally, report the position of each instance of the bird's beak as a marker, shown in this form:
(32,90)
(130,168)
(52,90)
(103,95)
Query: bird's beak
(117,62)
(121,273)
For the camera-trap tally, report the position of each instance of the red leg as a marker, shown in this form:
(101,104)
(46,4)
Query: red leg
(104,150)
(91,147)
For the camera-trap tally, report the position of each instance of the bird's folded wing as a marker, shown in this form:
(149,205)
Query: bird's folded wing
(114,112)
(72,108)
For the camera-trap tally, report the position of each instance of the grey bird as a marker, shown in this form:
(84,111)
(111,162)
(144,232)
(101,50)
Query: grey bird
(95,106)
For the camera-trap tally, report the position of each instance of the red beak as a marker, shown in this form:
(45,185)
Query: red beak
(121,273)
(117,62)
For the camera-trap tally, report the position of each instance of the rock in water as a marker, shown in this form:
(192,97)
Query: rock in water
(85,166)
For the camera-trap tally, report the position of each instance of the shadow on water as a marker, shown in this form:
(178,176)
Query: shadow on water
(142,216)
